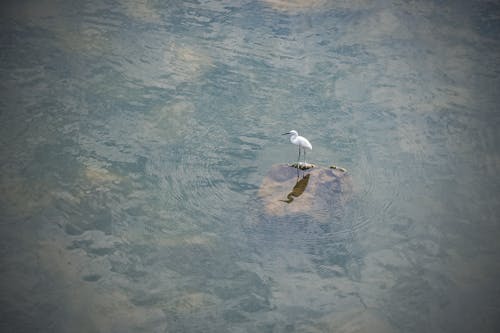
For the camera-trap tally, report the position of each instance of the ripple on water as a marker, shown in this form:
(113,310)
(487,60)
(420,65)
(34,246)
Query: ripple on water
(191,182)
(377,185)
(318,229)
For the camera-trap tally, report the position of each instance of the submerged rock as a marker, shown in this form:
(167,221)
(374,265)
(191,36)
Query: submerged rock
(319,192)
(355,321)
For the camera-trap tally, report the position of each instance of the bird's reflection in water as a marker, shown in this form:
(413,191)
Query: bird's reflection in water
(298,189)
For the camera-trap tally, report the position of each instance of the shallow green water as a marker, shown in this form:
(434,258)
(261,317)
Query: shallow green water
(135,136)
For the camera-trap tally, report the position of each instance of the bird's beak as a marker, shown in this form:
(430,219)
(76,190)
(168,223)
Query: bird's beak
(285,133)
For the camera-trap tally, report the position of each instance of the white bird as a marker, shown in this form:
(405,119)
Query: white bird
(300,141)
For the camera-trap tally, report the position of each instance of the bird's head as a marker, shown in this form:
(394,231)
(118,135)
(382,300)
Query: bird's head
(292,132)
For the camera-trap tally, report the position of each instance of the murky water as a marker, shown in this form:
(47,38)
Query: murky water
(135,136)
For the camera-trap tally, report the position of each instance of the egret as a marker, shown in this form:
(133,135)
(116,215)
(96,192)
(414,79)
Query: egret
(300,141)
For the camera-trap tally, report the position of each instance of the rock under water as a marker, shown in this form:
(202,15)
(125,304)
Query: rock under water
(318,192)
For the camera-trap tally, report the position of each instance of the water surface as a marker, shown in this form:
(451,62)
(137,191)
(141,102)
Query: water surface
(135,136)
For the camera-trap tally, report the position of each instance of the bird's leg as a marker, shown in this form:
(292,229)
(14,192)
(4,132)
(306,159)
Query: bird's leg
(298,161)
(305,165)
